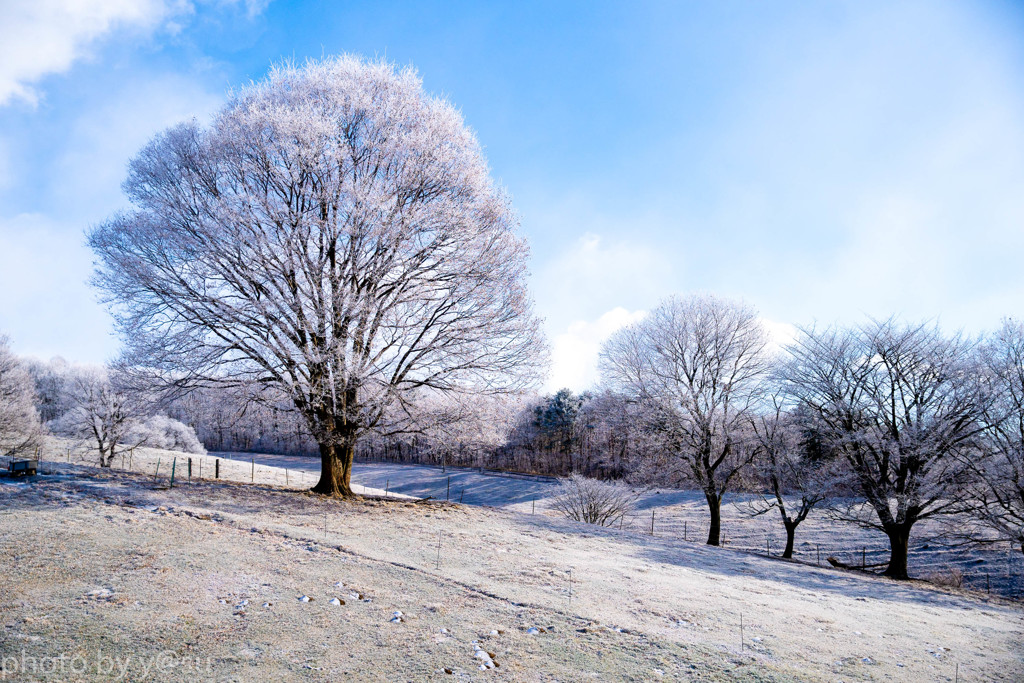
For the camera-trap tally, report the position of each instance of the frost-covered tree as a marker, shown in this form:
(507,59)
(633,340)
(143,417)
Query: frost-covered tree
(49,378)
(19,422)
(900,404)
(104,408)
(795,480)
(997,492)
(620,443)
(697,365)
(334,234)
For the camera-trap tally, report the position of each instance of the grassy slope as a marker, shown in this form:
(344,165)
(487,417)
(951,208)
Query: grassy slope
(161,575)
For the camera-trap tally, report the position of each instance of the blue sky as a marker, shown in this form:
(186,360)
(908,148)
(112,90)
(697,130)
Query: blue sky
(823,161)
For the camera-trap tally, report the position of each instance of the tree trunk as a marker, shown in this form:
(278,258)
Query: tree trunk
(336,469)
(790,538)
(899,545)
(715,508)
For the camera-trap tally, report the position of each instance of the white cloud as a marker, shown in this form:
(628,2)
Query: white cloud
(594,275)
(41,37)
(574,353)
(591,289)
(5,164)
(779,334)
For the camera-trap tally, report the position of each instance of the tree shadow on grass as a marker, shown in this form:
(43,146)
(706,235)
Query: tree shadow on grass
(725,562)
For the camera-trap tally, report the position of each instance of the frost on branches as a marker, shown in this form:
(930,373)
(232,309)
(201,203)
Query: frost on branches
(20,429)
(335,235)
(696,364)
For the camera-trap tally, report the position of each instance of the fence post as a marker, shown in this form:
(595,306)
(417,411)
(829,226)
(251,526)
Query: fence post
(217,468)
(448,491)
(174,466)
(652,521)
(190,469)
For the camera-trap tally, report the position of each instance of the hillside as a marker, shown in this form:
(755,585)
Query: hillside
(205,580)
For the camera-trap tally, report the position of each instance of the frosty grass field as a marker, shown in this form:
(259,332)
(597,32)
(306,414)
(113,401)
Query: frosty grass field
(119,576)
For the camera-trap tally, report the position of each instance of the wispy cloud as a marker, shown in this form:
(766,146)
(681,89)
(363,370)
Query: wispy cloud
(592,288)
(41,37)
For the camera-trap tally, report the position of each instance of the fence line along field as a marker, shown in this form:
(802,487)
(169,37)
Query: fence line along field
(996,568)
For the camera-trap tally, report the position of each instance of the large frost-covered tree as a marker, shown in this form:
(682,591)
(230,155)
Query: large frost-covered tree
(903,407)
(696,364)
(334,234)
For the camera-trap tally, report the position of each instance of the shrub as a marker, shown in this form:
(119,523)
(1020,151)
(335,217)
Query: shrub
(160,431)
(593,501)
(950,578)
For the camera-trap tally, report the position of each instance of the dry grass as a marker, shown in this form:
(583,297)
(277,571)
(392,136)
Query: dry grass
(120,563)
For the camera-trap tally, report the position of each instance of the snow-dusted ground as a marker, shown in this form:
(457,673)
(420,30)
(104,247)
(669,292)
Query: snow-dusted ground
(683,514)
(119,563)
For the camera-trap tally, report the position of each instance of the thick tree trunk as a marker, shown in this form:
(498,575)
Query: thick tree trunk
(336,469)
(715,508)
(790,538)
(899,545)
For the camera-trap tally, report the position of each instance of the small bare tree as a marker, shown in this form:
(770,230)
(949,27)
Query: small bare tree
(796,481)
(697,365)
(104,409)
(20,430)
(334,235)
(899,404)
(594,501)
